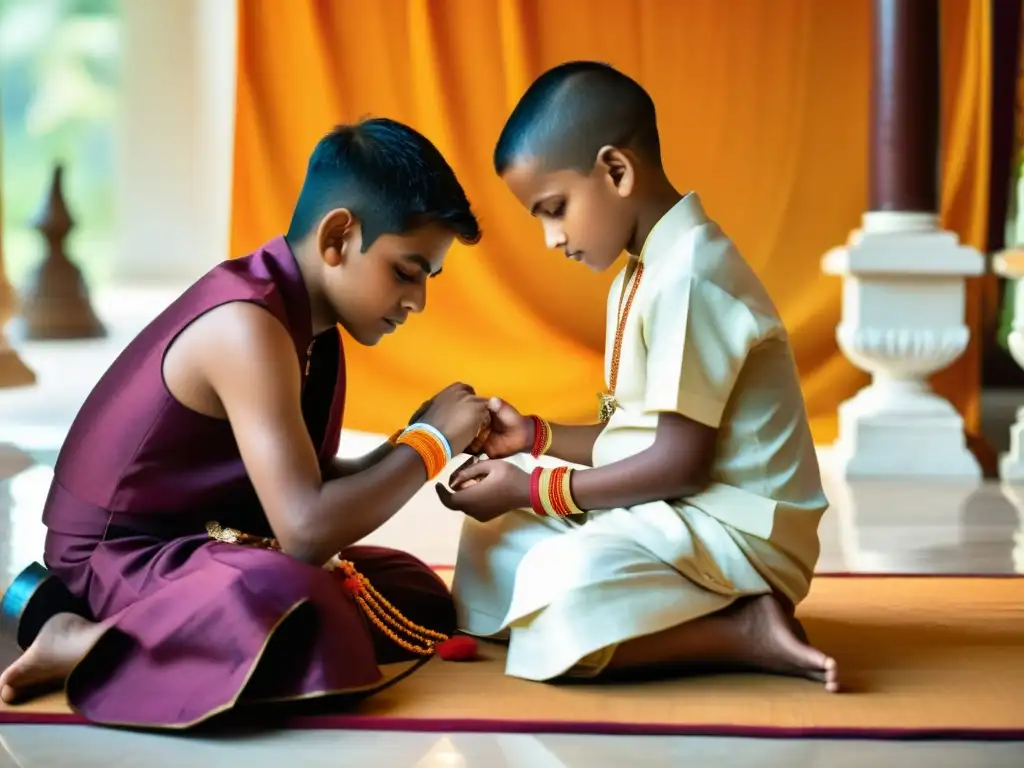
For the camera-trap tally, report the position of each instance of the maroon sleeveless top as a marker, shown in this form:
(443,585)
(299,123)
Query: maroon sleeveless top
(137,460)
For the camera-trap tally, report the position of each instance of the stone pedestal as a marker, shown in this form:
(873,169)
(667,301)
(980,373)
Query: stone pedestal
(904,297)
(904,292)
(1010,264)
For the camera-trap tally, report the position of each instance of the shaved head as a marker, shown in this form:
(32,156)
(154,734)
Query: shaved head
(573,110)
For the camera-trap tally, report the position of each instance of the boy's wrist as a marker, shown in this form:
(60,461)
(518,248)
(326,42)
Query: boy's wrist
(531,434)
(540,437)
(524,492)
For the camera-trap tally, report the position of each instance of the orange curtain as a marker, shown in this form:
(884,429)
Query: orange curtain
(966,132)
(763,108)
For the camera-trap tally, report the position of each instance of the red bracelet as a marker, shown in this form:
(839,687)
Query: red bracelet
(556,496)
(535,501)
(541,437)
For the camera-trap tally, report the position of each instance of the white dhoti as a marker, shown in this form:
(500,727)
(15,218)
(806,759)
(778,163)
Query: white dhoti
(566,592)
(702,340)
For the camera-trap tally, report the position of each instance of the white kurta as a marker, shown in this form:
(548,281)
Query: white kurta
(704,340)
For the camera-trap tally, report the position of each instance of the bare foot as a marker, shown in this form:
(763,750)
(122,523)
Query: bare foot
(798,630)
(773,644)
(60,645)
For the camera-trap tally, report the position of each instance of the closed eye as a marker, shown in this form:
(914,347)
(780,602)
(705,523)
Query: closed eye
(557,212)
(405,277)
(539,209)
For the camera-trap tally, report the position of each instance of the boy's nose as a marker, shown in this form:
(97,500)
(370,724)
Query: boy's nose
(554,237)
(415,302)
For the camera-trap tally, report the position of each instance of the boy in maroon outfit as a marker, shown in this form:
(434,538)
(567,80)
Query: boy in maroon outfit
(223,418)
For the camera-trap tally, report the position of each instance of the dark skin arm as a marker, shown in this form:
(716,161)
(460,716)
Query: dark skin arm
(676,465)
(339,467)
(513,433)
(573,444)
(311,519)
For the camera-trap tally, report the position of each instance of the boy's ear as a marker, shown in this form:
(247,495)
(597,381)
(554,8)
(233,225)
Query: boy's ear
(335,235)
(618,167)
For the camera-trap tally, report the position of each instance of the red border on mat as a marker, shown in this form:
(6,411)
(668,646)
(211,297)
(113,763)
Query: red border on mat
(17,717)
(481,725)
(912,575)
(870,574)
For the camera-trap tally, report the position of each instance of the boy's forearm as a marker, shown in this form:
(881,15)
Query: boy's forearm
(574,444)
(350,508)
(347,467)
(647,476)
(676,466)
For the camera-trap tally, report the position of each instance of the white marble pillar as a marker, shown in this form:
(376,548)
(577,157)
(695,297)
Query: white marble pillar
(1010,265)
(904,290)
(175,138)
(1014,492)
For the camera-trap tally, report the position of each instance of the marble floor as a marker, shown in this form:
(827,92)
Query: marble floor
(871,527)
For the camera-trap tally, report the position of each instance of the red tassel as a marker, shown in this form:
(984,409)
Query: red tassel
(457,648)
(352,585)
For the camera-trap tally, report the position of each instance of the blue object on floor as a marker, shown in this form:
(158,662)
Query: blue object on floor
(34,597)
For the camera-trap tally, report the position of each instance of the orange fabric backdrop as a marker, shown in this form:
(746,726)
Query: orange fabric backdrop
(763,108)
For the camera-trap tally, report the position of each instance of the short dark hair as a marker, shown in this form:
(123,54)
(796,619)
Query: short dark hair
(573,110)
(392,179)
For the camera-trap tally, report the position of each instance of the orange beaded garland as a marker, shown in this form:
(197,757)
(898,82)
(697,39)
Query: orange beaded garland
(408,635)
(385,616)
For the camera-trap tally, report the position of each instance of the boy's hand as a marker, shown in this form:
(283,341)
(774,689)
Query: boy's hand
(425,406)
(420,411)
(459,414)
(485,490)
(511,432)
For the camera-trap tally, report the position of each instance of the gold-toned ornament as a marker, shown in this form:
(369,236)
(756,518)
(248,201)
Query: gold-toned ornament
(607,404)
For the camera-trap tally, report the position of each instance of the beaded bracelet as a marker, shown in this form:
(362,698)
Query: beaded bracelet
(541,437)
(436,433)
(430,444)
(393,440)
(551,492)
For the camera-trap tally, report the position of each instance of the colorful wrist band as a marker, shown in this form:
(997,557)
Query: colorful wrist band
(551,492)
(436,433)
(429,446)
(542,505)
(541,437)
(565,493)
(554,495)
(535,498)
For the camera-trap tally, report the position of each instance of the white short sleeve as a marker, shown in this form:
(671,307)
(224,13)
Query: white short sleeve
(697,337)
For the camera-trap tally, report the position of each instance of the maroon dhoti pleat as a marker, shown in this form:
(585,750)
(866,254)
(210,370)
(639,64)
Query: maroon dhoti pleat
(197,626)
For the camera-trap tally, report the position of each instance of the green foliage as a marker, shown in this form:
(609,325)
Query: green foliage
(59,65)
